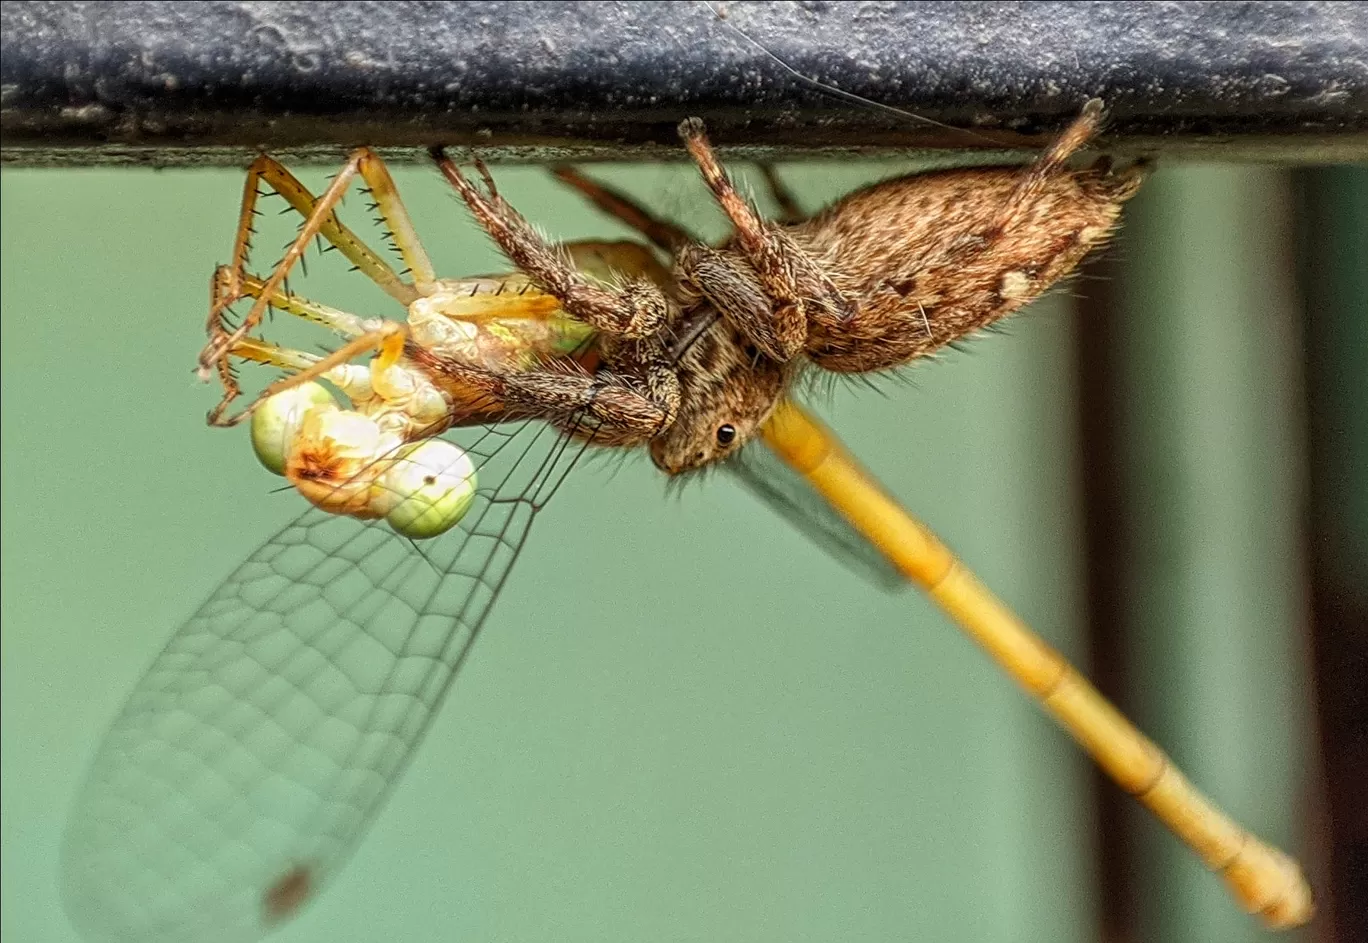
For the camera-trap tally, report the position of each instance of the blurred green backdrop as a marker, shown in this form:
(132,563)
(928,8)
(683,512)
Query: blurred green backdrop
(682,721)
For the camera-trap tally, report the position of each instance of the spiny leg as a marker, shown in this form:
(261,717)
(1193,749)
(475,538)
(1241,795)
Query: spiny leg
(321,213)
(265,352)
(388,339)
(321,219)
(259,350)
(345,323)
(396,217)
(232,283)
(637,309)
(364,335)
(272,172)
(223,290)
(787,274)
(667,236)
(270,354)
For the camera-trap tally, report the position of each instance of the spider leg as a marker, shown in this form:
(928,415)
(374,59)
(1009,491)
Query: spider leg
(792,279)
(618,205)
(626,407)
(636,309)
(1039,174)
(789,210)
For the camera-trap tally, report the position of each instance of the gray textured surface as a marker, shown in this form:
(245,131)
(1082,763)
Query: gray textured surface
(211,81)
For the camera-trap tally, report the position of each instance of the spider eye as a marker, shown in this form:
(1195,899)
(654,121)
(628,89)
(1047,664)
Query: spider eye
(726,434)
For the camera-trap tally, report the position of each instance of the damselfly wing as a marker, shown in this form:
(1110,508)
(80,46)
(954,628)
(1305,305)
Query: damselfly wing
(260,743)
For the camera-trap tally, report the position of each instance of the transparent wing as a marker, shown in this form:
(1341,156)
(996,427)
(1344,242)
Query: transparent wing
(766,476)
(256,749)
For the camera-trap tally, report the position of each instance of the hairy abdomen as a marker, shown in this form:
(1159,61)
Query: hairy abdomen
(930,258)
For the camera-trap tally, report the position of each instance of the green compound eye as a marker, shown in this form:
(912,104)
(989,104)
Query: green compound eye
(276,422)
(433,484)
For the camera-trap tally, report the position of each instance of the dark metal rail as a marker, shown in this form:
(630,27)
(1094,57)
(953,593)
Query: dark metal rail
(211,82)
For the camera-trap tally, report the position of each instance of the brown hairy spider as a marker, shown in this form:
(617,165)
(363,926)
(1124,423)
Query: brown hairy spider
(888,274)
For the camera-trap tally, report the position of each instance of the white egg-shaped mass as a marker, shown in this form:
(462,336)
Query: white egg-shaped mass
(276,422)
(432,484)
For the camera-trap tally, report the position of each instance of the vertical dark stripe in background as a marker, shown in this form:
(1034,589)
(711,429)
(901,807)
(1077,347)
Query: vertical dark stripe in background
(1194,469)
(1097,347)
(1332,242)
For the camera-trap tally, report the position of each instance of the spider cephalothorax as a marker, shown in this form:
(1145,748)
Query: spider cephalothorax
(727,391)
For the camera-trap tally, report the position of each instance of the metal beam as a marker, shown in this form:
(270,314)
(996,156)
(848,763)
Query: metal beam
(215,81)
